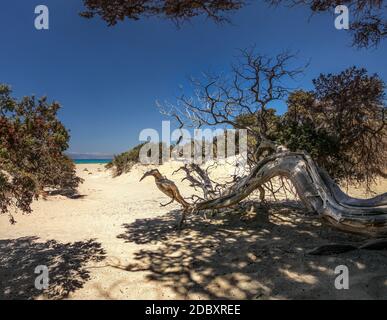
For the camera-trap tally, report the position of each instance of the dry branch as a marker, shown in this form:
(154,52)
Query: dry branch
(316,189)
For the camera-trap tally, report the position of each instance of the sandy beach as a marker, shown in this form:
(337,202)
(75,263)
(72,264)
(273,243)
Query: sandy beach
(115,241)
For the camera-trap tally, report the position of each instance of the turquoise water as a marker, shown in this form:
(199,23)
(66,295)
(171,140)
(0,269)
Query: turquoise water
(90,161)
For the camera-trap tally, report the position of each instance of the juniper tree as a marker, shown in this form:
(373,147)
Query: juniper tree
(32,146)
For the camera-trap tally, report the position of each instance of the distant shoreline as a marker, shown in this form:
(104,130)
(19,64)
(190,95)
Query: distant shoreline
(91,161)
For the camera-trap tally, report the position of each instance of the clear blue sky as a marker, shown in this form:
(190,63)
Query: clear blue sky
(108,78)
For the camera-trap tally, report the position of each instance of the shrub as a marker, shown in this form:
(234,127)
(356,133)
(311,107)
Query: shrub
(124,162)
(341,124)
(32,145)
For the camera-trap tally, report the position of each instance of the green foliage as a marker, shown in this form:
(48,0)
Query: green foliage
(123,162)
(32,142)
(254,122)
(302,130)
(347,112)
(341,124)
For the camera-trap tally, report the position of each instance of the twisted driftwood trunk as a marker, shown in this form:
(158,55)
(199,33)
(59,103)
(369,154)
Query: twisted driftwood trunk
(322,197)
(316,190)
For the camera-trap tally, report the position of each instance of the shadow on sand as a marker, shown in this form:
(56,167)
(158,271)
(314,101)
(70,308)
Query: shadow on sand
(263,257)
(66,264)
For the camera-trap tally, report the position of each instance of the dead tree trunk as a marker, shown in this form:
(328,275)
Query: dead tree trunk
(316,190)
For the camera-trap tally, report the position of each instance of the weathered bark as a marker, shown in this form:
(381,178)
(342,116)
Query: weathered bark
(201,180)
(316,190)
(322,197)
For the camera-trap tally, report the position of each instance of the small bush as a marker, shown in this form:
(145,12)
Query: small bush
(32,145)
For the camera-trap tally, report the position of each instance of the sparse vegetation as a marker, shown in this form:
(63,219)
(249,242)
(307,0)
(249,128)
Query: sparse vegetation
(32,145)
(176,10)
(341,124)
(122,163)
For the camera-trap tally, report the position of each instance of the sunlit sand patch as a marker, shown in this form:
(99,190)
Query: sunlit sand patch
(298,277)
(222,257)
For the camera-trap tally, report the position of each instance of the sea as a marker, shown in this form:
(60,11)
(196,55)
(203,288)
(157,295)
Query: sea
(91,161)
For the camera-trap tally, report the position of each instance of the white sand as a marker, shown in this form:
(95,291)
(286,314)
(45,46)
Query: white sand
(258,257)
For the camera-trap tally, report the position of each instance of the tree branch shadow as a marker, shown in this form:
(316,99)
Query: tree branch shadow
(262,257)
(66,264)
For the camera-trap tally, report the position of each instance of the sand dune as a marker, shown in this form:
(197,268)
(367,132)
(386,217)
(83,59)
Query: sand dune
(116,242)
